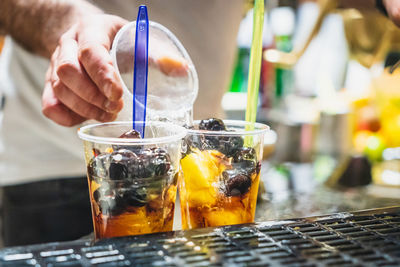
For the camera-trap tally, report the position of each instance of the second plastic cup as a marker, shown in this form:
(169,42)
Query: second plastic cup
(132,181)
(221,173)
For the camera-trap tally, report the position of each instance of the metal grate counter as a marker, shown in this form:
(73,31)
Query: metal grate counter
(364,238)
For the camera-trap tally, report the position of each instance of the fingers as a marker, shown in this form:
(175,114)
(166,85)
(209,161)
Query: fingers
(81,85)
(97,63)
(78,105)
(53,109)
(64,94)
(94,45)
(81,82)
(73,98)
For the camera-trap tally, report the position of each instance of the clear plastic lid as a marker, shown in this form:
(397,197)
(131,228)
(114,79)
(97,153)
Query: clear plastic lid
(172,79)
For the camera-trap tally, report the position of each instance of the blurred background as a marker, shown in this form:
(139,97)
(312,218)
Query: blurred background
(334,108)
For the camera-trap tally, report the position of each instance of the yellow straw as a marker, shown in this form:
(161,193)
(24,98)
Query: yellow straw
(254,67)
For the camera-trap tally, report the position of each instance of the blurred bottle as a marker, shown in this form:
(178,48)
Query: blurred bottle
(282,25)
(235,99)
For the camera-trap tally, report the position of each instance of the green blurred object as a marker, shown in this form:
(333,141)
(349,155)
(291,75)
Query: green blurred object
(324,165)
(374,148)
(241,70)
(283,77)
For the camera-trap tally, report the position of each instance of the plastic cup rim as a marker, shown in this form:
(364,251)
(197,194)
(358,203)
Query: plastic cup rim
(259,128)
(180,134)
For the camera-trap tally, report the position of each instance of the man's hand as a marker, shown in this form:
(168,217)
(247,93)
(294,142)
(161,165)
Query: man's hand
(393,10)
(81,82)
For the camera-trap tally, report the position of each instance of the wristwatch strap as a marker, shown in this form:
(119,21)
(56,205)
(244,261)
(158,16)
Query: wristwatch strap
(381,7)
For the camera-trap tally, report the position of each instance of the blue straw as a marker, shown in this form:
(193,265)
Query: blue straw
(140,71)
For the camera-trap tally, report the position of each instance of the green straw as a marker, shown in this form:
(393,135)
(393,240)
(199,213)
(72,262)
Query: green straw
(254,67)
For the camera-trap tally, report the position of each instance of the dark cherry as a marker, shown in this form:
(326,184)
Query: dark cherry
(236,182)
(140,168)
(136,197)
(161,161)
(131,134)
(151,162)
(238,185)
(212,124)
(97,166)
(90,168)
(244,153)
(187,126)
(230,145)
(119,164)
(211,142)
(258,167)
(100,192)
(247,167)
(96,195)
(118,171)
(194,141)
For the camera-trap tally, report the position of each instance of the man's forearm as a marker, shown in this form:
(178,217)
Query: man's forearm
(38,24)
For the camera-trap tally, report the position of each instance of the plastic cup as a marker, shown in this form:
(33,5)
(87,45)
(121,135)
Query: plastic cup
(221,175)
(132,182)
